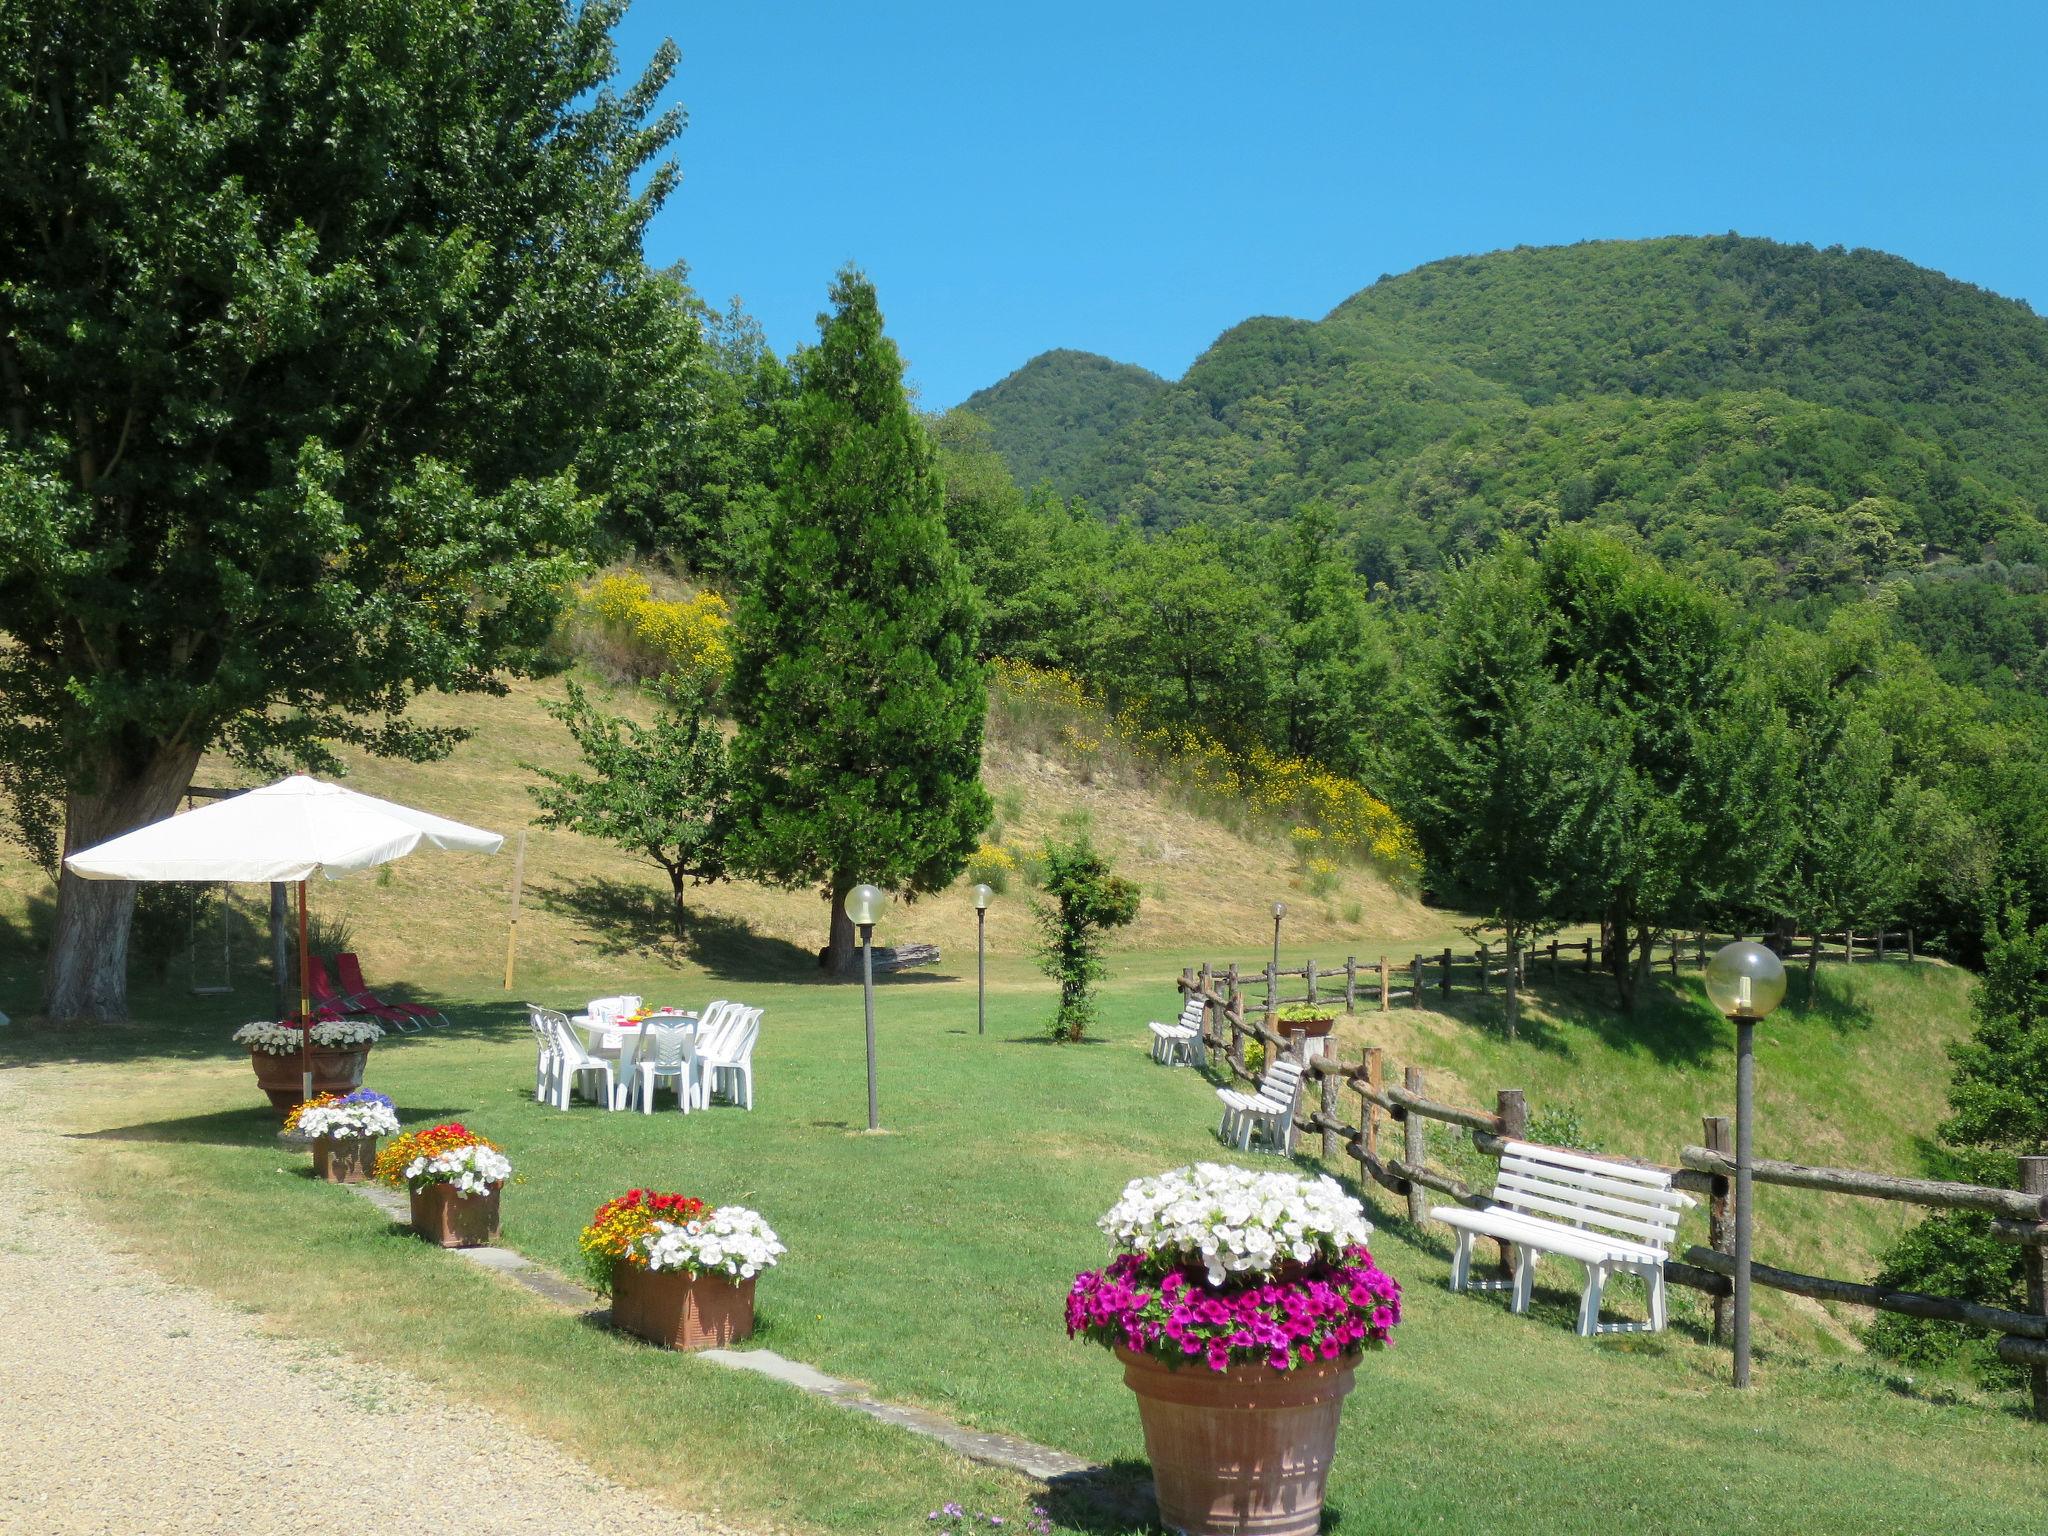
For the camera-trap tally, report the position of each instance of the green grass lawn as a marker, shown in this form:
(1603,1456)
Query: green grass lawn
(931,1262)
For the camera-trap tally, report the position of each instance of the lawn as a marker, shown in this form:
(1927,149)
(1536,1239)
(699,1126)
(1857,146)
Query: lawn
(931,1261)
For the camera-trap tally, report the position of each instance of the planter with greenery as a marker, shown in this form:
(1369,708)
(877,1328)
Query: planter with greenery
(344,1130)
(680,1273)
(454,1177)
(1240,1304)
(337,1052)
(1314,1020)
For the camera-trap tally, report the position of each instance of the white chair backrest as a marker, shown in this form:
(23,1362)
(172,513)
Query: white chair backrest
(673,1045)
(1592,1192)
(742,1044)
(708,1018)
(1280,1081)
(537,1022)
(567,1041)
(1191,1015)
(721,1034)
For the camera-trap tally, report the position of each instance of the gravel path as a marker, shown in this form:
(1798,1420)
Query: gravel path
(133,1407)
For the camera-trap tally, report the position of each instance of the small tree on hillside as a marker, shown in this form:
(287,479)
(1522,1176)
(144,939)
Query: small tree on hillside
(1998,1110)
(1083,901)
(859,698)
(663,791)
(1480,768)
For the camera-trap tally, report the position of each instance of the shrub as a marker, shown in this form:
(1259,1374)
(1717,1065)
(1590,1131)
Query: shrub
(1086,901)
(625,632)
(1558,1125)
(992,865)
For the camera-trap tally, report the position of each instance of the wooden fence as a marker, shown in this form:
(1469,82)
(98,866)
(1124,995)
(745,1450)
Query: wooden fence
(1402,1167)
(1383,982)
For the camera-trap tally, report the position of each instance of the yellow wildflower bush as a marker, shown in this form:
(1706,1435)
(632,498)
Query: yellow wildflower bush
(1333,816)
(620,626)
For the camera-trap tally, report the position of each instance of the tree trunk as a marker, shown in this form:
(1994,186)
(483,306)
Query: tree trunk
(676,880)
(85,976)
(842,949)
(1812,961)
(1615,951)
(1514,991)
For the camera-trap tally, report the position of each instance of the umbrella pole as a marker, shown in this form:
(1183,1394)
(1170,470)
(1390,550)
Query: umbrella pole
(305,1006)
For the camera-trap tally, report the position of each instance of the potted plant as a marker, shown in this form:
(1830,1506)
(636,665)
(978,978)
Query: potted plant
(338,1050)
(344,1129)
(454,1177)
(1314,1020)
(1240,1304)
(680,1273)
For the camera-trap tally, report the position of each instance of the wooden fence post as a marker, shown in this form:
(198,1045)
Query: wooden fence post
(1588,967)
(1674,951)
(1351,983)
(1272,996)
(2034,1180)
(1880,941)
(1309,974)
(1414,1150)
(1386,986)
(1513,1108)
(1553,959)
(1481,958)
(1513,986)
(1848,946)
(1230,982)
(1909,946)
(1369,1117)
(1699,956)
(1415,990)
(1447,973)
(1721,1220)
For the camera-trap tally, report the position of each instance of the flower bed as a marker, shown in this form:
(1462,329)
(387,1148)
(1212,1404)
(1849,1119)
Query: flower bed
(1264,1279)
(676,1232)
(1229,1266)
(680,1274)
(278,1039)
(362,1113)
(449,1154)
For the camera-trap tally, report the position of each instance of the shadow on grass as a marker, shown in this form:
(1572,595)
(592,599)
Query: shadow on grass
(1109,1500)
(254,1126)
(1824,1001)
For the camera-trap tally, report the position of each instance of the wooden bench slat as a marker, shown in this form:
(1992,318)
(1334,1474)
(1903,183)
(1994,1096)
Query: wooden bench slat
(1586,1163)
(1529,1168)
(1517,1200)
(1547,1236)
(1658,1215)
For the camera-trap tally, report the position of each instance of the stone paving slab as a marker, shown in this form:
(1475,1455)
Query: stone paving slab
(1008,1451)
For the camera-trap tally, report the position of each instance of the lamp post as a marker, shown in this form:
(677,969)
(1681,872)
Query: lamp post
(864,905)
(1745,981)
(983,895)
(1273,976)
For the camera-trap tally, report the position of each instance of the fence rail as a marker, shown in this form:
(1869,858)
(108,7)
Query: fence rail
(1439,973)
(2020,1215)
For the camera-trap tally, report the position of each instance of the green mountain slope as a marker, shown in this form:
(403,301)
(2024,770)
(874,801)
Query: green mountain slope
(1685,316)
(1059,409)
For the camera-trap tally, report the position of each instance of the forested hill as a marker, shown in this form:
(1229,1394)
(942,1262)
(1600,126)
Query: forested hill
(1057,411)
(1795,425)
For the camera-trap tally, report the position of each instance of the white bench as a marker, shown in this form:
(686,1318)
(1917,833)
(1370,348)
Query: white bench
(1613,1218)
(1272,1108)
(1180,1042)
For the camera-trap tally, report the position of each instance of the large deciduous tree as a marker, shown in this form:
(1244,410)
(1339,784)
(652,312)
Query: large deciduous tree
(855,685)
(311,312)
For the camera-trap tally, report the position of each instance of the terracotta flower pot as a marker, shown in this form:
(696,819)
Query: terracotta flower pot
(344,1159)
(1313,1029)
(453,1220)
(1239,1451)
(671,1308)
(334,1071)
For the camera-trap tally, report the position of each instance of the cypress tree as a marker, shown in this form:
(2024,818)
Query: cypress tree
(859,700)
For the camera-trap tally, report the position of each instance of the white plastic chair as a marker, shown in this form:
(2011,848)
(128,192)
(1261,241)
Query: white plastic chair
(546,1055)
(1272,1108)
(574,1063)
(1180,1042)
(729,1061)
(672,1054)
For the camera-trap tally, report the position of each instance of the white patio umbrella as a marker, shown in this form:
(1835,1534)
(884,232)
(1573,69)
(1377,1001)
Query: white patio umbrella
(288,831)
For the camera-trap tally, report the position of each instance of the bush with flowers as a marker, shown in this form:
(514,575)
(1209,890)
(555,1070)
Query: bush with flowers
(362,1113)
(676,1232)
(443,1154)
(281,1039)
(1232,1267)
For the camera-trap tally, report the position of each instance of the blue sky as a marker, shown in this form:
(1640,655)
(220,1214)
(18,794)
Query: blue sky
(1134,178)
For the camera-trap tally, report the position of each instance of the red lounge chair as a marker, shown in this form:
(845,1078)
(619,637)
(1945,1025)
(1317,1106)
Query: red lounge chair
(355,989)
(321,990)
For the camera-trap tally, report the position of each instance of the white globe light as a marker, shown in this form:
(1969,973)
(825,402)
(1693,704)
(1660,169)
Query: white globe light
(1745,981)
(864,904)
(1279,909)
(983,895)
